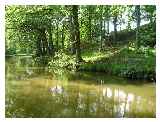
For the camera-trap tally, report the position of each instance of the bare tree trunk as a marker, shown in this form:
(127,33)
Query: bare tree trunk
(72,34)
(57,38)
(77,32)
(39,46)
(104,22)
(115,28)
(107,40)
(90,24)
(44,42)
(138,19)
(50,44)
(101,25)
(108,30)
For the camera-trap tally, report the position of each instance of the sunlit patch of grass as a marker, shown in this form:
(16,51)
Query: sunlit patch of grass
(97,55)
(93,56)
(129,62)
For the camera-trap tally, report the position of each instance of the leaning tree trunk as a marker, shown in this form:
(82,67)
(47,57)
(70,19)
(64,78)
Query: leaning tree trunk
(138,19)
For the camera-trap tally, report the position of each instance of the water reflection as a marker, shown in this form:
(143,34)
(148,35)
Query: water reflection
(80,102)
(29,71)
(124,100)
(113,102)
(30,94)
(107,92)
(56,90)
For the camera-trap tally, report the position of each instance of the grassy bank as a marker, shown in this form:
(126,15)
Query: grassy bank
(126,61)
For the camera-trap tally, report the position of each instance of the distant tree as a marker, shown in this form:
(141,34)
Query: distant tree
(107,15)
(116,11)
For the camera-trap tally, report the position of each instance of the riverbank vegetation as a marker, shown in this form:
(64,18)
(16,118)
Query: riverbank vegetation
(118,40)
(80,60)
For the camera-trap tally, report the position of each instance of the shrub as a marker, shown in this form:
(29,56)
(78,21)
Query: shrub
(62,62)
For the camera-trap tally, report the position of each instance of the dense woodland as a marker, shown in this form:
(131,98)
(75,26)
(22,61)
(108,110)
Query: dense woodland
(115,39)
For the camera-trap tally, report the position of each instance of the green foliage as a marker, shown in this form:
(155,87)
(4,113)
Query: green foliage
(61,63)
(149,12)
(148,35)
(43,30)
(24,23)
(129,62)
(57,37)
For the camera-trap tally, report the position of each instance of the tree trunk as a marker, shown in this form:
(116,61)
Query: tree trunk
(39,47)
(63,36)
(89,24)
(57,34)
(108,30)
(101,25)
(72,34)
(138,19)
(129,19)
(108,16)
(44,42)
(120,24)
(115,28)
(104,28)
(77,32)
(50,44)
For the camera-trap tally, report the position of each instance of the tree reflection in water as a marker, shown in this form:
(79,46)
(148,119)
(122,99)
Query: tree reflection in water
(115,101)
(28,93)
